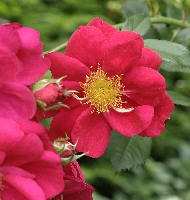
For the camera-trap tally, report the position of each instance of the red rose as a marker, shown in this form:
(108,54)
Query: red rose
(75,186)
(20,54)
(119,87)
(21,65)
(29,165)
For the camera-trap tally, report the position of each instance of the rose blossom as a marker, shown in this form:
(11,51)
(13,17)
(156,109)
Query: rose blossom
(118,83)
(21,65)
(75,186)
(29,165)
(21,50)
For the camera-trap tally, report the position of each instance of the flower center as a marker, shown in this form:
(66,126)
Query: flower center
(103,92)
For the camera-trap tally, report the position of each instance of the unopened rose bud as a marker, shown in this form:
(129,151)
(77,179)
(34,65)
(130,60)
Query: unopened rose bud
(66,151)
(49,94)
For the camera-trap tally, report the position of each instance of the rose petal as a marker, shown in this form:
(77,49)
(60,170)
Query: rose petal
(61,125)
(130,123)
(9,63)
(33,67)
(88,45)
(150,59)
(11,170)
(17,101)
(20,188)
(144,85)
(73,169)
(62,65)
(107,29)
(48,173)
(30,39)
(124,52)
(92,132)
(32,127)
(162,112)
(10,38)
(13,138)
(2,157)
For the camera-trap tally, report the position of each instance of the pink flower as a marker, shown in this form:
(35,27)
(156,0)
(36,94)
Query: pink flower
(29,165)
(16,101)
(119,87)
(20,54)
(21,65)
(75,186)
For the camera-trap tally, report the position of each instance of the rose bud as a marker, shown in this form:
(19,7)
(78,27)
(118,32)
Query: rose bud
(49,94)
(66,150)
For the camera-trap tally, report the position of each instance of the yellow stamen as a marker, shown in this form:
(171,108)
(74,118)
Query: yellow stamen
(1,183)
(103,92)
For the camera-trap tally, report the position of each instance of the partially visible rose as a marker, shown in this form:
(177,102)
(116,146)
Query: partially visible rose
(75,186)
(20,54)
(30,168)
(21,65)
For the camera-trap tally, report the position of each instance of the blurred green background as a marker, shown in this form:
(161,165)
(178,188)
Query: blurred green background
(166,174)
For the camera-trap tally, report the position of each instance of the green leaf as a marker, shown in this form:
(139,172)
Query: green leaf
(175,57)
(139,23)
(183,37)
(132,8)
(128,152)
(173,12)
(179,98)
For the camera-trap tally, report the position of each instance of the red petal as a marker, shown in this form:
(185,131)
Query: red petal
(130,123)
(162,112)
(124,52)
(15,96)
(30,39)
(88,45)
(21,188)
(92,132)
(32,127)
(33,66)
(10,38)
(104,27)
(144,85)
(62,65)
(28,147)
(73,170)
(150,59)
(48,173)
(10,64)
(61,125)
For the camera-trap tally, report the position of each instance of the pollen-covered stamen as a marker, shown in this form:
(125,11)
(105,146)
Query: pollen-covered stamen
(103,92)
(1,183)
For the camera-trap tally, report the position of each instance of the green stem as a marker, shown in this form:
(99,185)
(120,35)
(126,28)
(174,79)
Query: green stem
(163,20)
(170,21)
(58,48)
(153,20)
